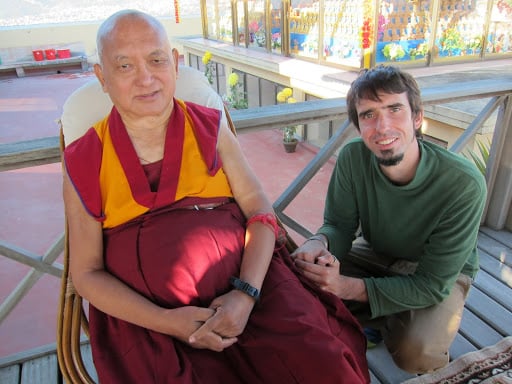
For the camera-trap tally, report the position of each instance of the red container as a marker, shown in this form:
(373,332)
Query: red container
(50,54)
(38,55)
(63,53)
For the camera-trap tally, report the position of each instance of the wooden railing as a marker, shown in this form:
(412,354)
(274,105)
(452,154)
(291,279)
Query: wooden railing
(499,168)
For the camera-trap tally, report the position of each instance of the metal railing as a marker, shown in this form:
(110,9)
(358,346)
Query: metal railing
(499,167)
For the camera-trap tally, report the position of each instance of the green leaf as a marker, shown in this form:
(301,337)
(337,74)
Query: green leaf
(480,159)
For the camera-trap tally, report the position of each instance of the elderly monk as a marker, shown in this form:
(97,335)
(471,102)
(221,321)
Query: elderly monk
(173,241)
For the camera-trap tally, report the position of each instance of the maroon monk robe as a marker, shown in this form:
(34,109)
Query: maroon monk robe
(177,257)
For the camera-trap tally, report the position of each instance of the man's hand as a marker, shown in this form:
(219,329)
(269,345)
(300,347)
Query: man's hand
(321,267)
(324,271)
(190,319)
(316,263)
(326,275)
(311,251)
(232,312)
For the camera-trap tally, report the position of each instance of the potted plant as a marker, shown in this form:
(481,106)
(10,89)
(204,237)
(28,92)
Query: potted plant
(290,141)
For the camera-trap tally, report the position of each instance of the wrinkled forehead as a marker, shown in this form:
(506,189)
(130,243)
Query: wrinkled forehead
(136,28)
(133,29)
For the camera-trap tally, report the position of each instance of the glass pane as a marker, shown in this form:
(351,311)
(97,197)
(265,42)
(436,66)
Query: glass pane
(304,21)
(257,36)
(224,20)
(275,14)
(241,22)
(346,24)
(459,28)
(403,30)
(211,20)
(500,30)
(218,13)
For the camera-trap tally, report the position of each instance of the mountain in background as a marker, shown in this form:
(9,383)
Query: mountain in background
(30,12)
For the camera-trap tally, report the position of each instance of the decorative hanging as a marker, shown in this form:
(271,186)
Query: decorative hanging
(177,11)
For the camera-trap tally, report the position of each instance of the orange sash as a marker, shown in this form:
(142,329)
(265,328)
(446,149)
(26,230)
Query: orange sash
(106,172)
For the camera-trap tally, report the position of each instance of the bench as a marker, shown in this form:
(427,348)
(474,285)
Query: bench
(20,66)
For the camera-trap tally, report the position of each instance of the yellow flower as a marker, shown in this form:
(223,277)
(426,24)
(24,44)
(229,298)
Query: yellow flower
(232,79)
(287,92)
(281,97)
(236,97)
(207,57)
(285,96)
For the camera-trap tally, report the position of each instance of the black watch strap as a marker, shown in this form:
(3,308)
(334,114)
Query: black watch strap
(245,287)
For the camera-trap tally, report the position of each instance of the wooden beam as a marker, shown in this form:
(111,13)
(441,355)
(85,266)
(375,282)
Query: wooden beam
(29,153)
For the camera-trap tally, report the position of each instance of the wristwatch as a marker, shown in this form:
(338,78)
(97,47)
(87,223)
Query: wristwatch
(245,287)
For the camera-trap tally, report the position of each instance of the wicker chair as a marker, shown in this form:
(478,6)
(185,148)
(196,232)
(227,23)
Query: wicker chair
(81,110)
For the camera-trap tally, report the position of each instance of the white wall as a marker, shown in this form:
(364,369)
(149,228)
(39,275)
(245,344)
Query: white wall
(17,43)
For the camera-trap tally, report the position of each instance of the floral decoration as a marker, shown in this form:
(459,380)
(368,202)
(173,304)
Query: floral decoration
(366,31)
(381,23)
(451,41)
(310,45)
(420,50)
(276,40)
(393,51)
(286,96)
(207,61)
(254,26)
(177,17)
(260,37)
(236,97)
(475,44)
(504,6)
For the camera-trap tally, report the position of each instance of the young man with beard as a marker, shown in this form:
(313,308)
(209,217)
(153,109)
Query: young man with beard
(398,242)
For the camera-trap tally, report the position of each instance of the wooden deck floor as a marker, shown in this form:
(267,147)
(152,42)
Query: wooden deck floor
(488,313)
(487,319)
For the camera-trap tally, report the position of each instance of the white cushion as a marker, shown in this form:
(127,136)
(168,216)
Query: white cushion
(89,104)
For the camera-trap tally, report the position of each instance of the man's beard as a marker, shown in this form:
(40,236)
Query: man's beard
(390,161)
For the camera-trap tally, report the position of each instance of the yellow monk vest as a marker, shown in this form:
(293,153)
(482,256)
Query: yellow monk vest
(104,161)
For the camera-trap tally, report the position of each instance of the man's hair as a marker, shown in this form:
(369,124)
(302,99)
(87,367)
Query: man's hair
(386,79)
(110,23)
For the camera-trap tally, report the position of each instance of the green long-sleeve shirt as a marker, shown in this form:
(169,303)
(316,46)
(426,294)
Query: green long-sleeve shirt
(433,220)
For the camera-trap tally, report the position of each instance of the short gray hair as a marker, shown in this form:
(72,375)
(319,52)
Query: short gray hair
(110,23)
